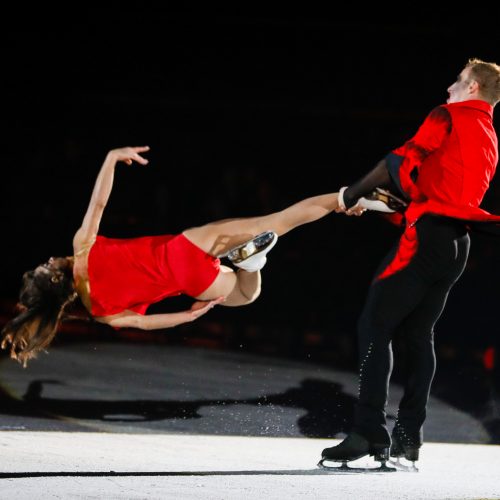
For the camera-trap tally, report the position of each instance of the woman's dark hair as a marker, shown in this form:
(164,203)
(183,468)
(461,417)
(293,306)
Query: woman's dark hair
(42,301)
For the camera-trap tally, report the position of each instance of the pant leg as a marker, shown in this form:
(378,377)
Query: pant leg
(389,303)
(417,338)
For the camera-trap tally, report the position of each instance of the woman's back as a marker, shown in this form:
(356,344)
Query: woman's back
(129,274)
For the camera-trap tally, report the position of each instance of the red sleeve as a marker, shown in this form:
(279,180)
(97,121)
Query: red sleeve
(405,161)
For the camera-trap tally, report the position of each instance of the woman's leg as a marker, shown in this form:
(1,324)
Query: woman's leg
(240,288)
(217,238)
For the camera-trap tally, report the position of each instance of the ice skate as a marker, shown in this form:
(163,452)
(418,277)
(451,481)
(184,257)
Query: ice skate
(381,200)
(355,446)
(404,446)
(251,256)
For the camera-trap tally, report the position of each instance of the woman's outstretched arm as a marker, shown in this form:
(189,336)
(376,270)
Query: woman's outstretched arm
(130,319)
(102,190)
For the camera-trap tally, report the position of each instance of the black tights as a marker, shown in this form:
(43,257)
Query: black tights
(407,304)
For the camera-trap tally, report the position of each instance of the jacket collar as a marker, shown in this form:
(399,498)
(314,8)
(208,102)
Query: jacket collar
(475,104)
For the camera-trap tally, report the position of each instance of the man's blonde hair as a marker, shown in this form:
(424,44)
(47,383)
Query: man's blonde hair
(487,75)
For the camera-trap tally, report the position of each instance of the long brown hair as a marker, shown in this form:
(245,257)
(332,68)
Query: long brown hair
(42,301)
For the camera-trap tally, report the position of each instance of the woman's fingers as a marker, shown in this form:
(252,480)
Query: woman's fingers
(130,154)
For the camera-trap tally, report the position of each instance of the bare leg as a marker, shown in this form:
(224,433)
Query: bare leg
(219,237)
(239,288)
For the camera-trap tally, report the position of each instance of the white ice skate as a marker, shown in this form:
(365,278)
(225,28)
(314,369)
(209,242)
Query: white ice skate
(251,256)
(382,200)
(379,200)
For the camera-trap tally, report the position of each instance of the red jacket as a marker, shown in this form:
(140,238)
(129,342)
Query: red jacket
(447,166)
(445,169)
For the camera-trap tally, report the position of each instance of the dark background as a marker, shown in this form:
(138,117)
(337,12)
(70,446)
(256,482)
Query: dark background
(245,113)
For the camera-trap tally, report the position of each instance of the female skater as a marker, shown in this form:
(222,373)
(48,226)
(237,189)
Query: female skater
(117,279)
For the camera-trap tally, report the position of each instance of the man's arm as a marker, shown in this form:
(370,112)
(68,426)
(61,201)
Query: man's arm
(393,172)
(404,162)
(378,177)
(102,190)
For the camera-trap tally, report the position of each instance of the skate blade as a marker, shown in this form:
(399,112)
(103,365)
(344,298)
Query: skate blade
(403,467)
(345,469)
(249,248)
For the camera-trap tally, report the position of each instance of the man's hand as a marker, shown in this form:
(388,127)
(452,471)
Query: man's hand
(355,210)
(342,209)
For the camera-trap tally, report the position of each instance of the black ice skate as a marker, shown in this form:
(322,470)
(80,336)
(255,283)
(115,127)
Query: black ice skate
(355,446)
(404,445)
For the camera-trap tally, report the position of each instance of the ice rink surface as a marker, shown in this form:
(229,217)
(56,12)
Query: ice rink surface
(139,421)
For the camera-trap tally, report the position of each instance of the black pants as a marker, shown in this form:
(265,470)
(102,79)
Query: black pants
(407,304)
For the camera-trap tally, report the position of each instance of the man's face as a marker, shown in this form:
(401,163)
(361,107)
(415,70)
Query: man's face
(459,91)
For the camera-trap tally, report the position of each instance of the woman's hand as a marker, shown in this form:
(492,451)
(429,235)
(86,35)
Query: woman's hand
(129,154)
(199,308)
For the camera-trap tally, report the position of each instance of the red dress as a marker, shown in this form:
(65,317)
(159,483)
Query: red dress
(136,272)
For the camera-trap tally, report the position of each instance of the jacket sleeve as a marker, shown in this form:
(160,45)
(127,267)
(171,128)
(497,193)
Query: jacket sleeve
(404,162)
(377,177)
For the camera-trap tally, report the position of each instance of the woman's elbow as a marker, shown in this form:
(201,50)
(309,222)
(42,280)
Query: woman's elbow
(138,321)
(141,322)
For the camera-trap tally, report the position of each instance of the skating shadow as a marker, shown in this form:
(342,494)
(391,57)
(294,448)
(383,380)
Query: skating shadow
(329,410)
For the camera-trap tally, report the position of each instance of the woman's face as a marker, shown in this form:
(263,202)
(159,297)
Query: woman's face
(55,267)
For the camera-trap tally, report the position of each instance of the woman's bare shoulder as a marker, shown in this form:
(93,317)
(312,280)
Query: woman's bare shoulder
(82,242)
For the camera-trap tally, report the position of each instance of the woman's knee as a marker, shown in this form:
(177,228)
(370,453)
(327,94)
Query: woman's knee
(251,295)
(242,295)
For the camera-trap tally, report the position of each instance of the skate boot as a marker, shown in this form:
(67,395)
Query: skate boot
(405,444)
(355,446)
(382,200)
(251,256)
